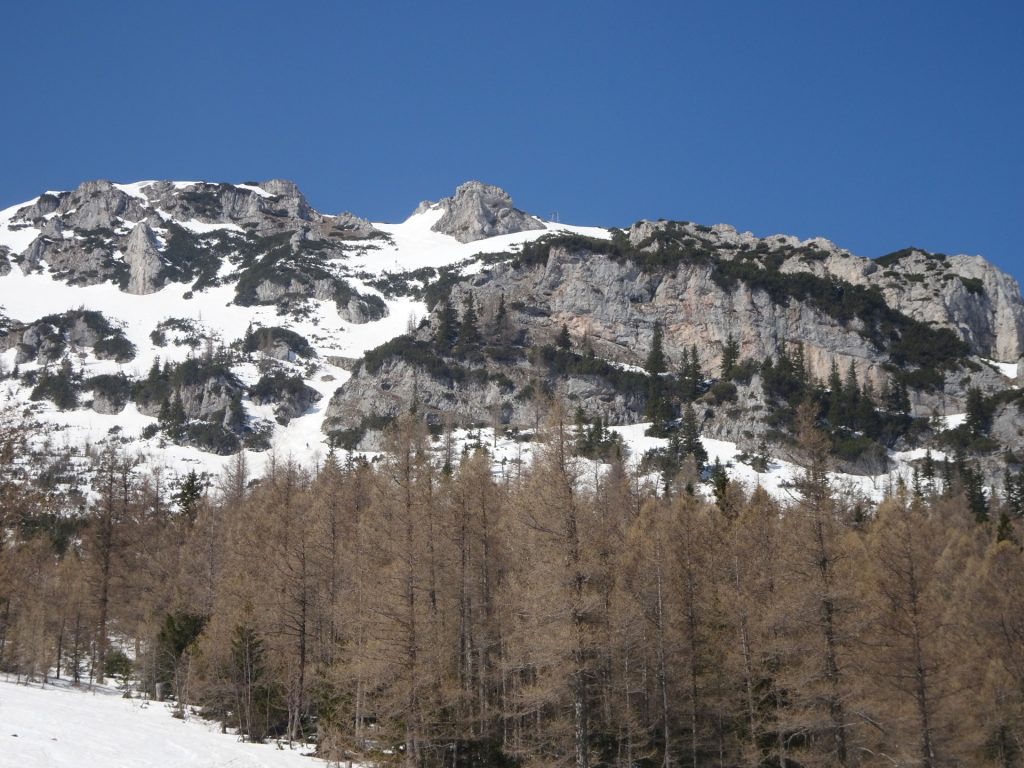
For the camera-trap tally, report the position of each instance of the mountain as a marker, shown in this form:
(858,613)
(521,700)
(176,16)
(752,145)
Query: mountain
(191,319)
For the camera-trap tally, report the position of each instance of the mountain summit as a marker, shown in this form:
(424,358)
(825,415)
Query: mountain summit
(478,211)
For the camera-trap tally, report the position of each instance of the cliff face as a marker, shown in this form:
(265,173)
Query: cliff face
(963,293)
(704,287)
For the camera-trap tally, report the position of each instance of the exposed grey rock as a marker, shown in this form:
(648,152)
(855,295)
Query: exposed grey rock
(478,211)
(203,400)
(97,205)
(5,260)
(45,204)
(398,384)
(295,404)
(349,225)
(103,403)
(144,261)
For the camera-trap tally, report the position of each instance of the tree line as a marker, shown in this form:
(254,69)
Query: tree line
(402,612)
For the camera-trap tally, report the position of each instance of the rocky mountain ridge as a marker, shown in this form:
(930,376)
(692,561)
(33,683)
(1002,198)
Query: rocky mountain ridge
(265,318)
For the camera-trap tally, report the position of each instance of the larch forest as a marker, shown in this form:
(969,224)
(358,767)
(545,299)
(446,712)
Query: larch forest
(402,611)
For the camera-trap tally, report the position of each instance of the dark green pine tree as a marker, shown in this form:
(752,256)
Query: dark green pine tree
(563,340)
(469,330)
(974,489)
(447,332)
(851,396)
(659,408)
(177,415)
(979,413)
(689,437)
(730,357)
(656,363)
(899,398)
(691,377)
(865,416)
(188,496)
(719,484)
(836,412)
(799,362)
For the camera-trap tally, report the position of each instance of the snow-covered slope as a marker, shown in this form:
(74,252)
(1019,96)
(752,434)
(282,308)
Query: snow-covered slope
(60,727)
(195,317)
(181,275)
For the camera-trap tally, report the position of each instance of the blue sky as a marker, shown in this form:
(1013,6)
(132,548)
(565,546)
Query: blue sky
(876,124)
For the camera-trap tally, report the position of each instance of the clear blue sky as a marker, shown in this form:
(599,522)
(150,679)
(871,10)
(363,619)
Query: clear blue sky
(876,124)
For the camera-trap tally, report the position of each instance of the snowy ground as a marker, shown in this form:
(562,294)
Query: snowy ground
(59,727)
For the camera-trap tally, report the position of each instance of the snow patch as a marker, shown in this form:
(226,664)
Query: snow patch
(253,188)
(61,727)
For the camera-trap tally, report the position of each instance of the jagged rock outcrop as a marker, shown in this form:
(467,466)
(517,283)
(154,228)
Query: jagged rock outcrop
(143,259)
(110,393)
(97,205)
(144,235)
(295,402)
(5,260)
(212,398)
(478,210)
(355,227)
(964,293)
(48,339)
(480,398)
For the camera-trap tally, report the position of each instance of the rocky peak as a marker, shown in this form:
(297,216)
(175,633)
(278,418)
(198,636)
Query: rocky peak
(478,211)
(143,259)
(355,227)
(97,205)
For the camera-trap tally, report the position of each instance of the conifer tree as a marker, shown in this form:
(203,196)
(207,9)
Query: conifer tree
(447,332)
(730,357)
(563,340)
(655,363)
(469,331)
(691,444)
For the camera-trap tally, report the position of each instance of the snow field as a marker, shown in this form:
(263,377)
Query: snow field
(61,727)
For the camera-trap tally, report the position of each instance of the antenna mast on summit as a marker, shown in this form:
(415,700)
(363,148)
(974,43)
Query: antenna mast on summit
(554,217)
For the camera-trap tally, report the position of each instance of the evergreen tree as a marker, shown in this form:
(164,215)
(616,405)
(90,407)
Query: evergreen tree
(691,378)
(719,484)
(895,398)
(851,396)
(836,411)
(501,323)
(563,340)
(974,489)
(979,413)
(689,436)
(177,415)
(447,332)
(655,363)
(730,357)
(469,331)
(189,495)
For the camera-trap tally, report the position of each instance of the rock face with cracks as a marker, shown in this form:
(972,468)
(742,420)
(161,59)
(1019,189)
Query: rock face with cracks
(479,210)
(611,304)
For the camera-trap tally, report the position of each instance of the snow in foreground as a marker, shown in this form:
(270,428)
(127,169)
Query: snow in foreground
(56,727)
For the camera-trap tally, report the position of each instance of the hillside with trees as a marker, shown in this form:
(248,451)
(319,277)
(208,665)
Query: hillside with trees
(402,611)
